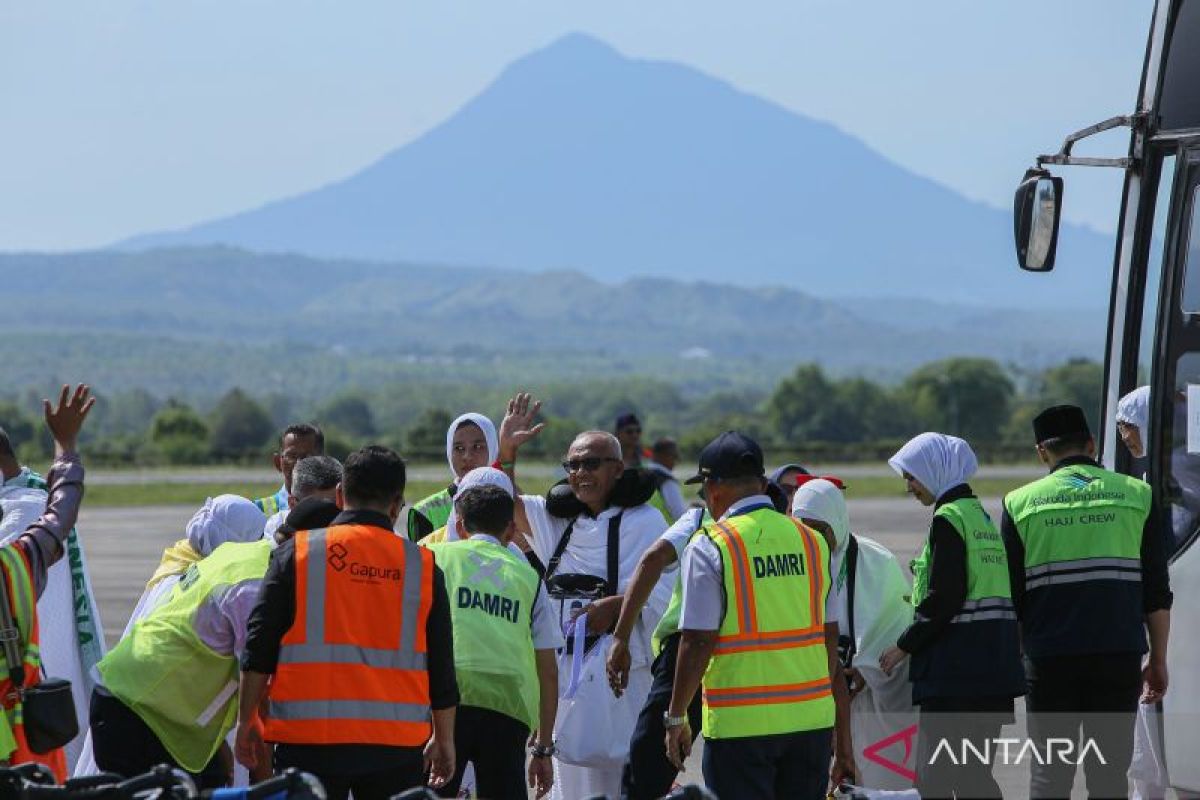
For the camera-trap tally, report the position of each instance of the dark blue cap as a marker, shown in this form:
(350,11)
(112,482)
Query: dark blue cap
(730,455)
(625,420)
(1058,421)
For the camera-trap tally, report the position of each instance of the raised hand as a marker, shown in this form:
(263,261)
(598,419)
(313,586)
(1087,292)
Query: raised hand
(518,426)
(65,420)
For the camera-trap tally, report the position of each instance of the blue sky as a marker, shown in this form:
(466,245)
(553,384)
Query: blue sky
(128,116)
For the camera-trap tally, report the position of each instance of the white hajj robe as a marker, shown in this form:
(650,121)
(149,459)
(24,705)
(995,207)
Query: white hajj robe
(882,612)
(72,638)
(586,553)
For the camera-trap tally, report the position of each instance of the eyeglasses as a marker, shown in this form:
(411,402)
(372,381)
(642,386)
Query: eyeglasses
(586,464)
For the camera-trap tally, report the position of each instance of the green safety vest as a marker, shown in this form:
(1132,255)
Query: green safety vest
(668,624)
(769,672)
(1075,516)
(273,504)
(989,594)
(1081,528)
(182,689)
(491,593)
(436,508)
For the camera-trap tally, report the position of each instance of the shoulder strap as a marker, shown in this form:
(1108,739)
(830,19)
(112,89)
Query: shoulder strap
(10,634)
(614,552)
(851,568)
(559,549)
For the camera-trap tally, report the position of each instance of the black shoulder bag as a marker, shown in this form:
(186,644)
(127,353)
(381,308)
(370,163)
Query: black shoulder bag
(48,708)
(848,643)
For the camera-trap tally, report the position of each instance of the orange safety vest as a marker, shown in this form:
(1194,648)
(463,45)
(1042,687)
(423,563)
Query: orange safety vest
(23,604)
(352,668)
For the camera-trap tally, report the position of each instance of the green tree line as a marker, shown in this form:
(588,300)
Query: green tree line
(810,411)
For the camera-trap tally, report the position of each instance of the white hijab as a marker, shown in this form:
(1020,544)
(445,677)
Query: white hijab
(823,501)
(225,518)
(1134,409)
(489,434)
(938,461)
(480,476)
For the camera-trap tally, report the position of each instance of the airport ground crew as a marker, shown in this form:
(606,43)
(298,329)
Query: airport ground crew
(758,631)
(470,443)
(1087,555)
(354,624)
(505,640)
(966,666)
(168,690)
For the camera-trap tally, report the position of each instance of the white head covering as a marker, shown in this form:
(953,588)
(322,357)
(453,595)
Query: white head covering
(821,500)
(938,461)
(1134,409)
(480,476)
(489,434)
(226,518)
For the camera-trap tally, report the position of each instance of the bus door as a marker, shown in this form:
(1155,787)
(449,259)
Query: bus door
(1175,461)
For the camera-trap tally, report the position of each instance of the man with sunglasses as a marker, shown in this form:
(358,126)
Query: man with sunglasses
(591,545)
(629,434)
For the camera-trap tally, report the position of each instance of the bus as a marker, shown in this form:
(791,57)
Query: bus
(1154,325)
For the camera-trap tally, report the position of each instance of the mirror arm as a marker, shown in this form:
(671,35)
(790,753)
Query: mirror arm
(1064,158)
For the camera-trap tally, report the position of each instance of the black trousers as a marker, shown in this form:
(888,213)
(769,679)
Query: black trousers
(124,744)
(371,773)
(648,775)
(946,768)
(1082,699)
(495,744)
(786,766)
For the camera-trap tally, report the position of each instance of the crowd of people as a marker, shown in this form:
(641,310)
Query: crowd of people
(489,642)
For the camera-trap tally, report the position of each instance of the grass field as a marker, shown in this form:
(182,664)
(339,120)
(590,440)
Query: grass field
(193,494)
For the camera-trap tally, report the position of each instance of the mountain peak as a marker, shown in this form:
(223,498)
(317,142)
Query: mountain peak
(580,157)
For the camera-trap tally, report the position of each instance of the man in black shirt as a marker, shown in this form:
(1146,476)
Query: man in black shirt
(371,495)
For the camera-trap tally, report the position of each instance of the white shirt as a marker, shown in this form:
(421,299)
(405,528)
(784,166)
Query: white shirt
(546,633)
(703,580)
(587,553)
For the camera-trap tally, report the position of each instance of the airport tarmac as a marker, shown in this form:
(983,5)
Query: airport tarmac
(123,546)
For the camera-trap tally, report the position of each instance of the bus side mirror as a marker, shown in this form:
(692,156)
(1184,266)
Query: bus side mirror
(1036,208)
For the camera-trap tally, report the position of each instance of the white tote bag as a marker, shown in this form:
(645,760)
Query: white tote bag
(593,727)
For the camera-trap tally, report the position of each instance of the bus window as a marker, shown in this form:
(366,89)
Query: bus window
(1154,267)
(1191,274)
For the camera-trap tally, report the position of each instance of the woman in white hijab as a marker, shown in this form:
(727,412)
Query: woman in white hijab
(873,610)
(966,664)
(1133,420)
(471,442)
(225,518)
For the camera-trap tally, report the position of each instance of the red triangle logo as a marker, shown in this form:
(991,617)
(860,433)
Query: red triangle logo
(908,736)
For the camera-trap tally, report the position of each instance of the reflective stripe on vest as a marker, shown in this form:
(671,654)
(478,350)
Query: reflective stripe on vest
(984,609)
(1084,569)
(352,669)
(767,676)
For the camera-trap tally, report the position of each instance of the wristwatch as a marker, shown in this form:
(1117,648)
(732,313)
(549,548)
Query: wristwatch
(538,751)
(673,722)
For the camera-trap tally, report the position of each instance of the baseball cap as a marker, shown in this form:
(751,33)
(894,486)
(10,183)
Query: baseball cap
(730,455)
(625,420)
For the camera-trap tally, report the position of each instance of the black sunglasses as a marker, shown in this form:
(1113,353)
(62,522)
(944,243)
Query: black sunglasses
(586,464)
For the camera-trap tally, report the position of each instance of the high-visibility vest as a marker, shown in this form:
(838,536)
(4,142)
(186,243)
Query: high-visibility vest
(978,653)
(1081,527)
(769,672)
(273,504)
(23,603)
(492,592)
(353,666)
(435,508)
(164,672)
